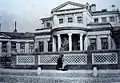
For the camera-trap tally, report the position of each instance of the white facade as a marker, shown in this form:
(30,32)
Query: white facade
(74,20)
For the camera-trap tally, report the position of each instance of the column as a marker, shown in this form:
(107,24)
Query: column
(9,48)
(70,41)
(26,47)
(75,18)
(0,48)
(81,42)
(98,43)
(86,43)
(18,47)
(45,46)
(65,20)
(36,46)
(55,19)
(109,42)
(53,44)
(59,41)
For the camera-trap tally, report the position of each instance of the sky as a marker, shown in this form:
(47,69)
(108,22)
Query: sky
(27,13)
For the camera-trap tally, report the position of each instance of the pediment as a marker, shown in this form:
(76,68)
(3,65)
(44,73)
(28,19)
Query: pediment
(4,36)
(68,5)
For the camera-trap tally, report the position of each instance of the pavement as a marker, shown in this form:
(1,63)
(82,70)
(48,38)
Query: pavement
(58,76)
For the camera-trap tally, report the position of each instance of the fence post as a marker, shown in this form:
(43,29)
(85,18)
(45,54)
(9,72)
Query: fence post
(13,61)
(36,61)
(118,59)
(89,59)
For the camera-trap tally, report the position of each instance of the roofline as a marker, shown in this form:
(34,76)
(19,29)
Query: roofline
(43,33)
(99,29)
(68,2)
(42,29)
(96,13)
(68,28)
(47,18)
(97,24)
(70,9)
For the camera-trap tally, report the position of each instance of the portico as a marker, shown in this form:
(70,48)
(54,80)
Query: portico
(70,41)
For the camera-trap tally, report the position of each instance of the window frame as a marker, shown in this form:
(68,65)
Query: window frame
(49,46)
(103,44)
(113,18)
(104,19)
(41,46)
(22,47)
(93,45)
(61,21)
(79,19)
(96,19)
(48,24)
(70,19)
(4,46)
(13,45)
(31,47)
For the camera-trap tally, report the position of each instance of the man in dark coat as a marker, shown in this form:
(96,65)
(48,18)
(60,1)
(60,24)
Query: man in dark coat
(59,62)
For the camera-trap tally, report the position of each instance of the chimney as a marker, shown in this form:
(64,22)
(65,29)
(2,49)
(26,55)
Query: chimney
(113,7)
(87,4)
(15,30)
(93,7)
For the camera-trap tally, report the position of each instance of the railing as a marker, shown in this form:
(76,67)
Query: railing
(104,58)
(25,60)
(71,58)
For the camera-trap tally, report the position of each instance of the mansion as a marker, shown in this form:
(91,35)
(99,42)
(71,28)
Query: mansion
(73,25)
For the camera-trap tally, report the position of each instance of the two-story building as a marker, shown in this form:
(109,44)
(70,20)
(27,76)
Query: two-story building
(77,28)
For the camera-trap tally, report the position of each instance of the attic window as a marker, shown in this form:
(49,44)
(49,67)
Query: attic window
(96,20)
(70,20)
(112,19)
(60,21)
(48,24)
(79,19)
(104,19)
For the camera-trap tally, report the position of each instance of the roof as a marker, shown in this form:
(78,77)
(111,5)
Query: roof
(104,12)
(47,18)
(66,3)
(13,35)
(98,24)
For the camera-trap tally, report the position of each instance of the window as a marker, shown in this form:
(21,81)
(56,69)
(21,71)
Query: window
(48,24)
(104,43)
(41,46)
(4,46)
(79,19)
(49,46)
(104,19)
(60,21)
(93,43)
(13,46)
(70,20)
(31,47)
(96,20)
(112,19)
(22,47)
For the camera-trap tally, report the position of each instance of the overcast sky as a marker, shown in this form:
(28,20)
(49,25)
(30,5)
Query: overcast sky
(28,12)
